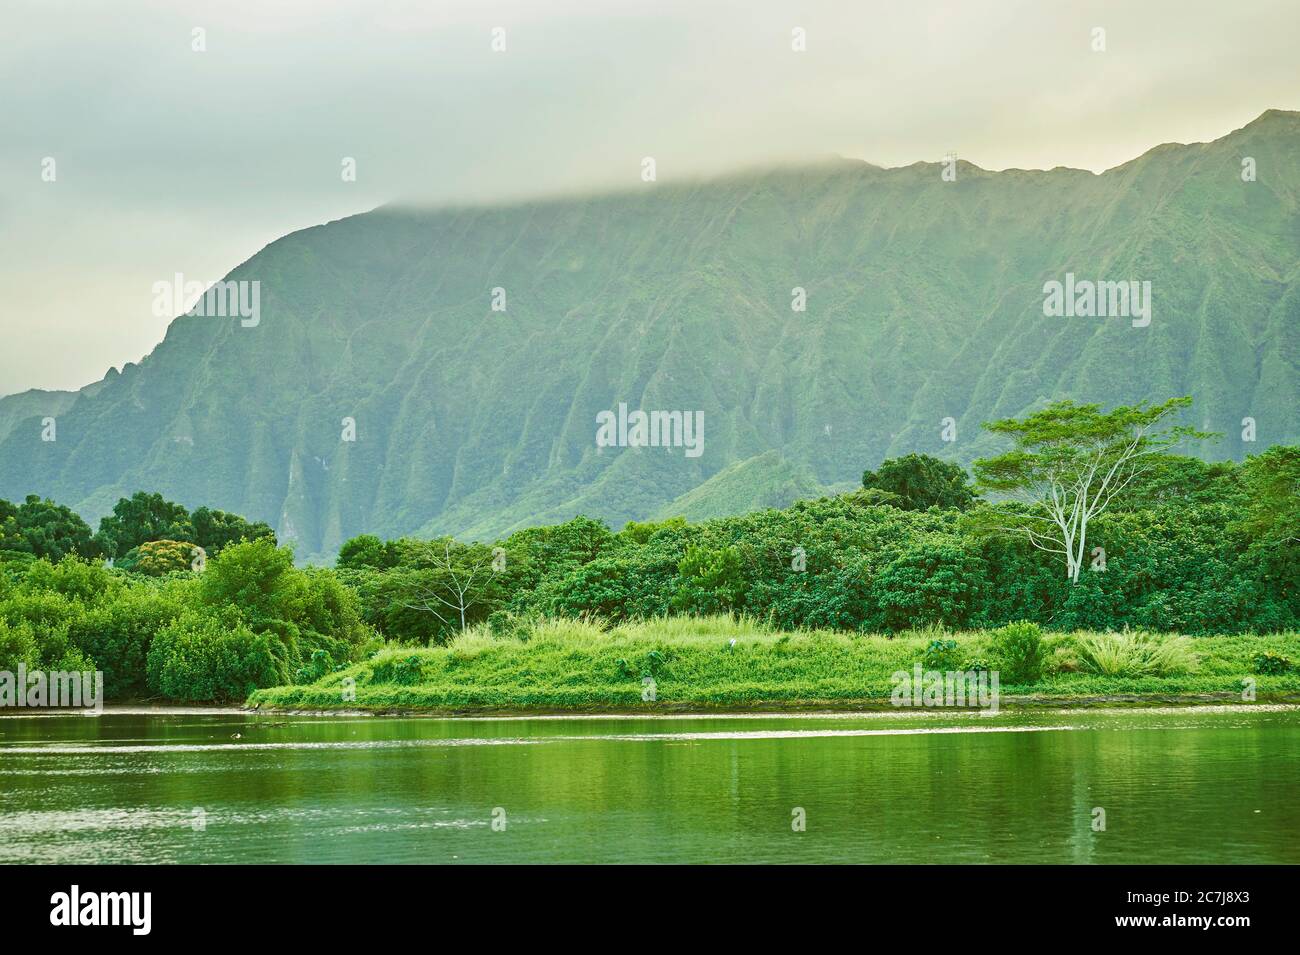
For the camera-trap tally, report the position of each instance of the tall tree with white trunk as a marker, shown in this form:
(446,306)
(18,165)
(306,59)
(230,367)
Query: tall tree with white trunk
(1068,463)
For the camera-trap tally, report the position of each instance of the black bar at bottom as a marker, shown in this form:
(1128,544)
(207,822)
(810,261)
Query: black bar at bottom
(256,904)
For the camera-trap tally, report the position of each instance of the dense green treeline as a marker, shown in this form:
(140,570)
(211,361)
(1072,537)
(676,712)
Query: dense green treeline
(38,529)
(1179,557)
(1191,548)
(1090,522)
(250,619)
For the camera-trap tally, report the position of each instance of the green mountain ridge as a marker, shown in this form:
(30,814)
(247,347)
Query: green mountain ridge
(765,480)
(924,302)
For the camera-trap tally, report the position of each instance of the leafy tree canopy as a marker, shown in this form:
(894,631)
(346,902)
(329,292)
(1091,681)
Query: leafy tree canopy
(920,481)
(1272,484)
(146,517)
(368,552)
(1179,480)
(1069,462)
(44,530)
(156,558)
(141,518)
(215,530)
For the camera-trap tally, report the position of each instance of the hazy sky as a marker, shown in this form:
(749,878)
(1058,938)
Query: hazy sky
(171,160)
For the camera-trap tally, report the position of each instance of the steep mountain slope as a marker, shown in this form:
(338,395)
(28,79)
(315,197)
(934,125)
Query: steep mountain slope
(35,403)
(765,480)
(924,302)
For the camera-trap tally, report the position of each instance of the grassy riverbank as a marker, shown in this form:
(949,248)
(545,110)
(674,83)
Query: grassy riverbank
(573,665)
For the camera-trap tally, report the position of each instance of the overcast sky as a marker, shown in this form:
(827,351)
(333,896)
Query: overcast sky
(170,160)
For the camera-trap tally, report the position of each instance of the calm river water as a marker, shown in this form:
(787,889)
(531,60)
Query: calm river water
(1204,785)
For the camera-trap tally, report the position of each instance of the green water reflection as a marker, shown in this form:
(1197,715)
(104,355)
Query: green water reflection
(1187,786)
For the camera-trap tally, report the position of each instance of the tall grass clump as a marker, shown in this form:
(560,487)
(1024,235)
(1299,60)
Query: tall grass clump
(1132,654)
(927,633)
(707,627)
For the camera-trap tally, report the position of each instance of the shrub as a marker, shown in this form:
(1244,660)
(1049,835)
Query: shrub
(117,635)
(404,669)
(1135,654)
(1017,649)
(255,577)
(13,563)
(327,614)
(307,610)
(1269,663)
(940,655)
(40,608)
(936,580)
(90,582)
(508,625)
(47,618)
(203,658)
(612,587)
(320,664)
(655,662)
(712,580)
(18,646)
(837,598)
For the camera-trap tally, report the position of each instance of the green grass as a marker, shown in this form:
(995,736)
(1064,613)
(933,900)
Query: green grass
(1136,654)
(581,665)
